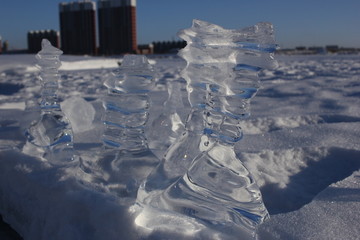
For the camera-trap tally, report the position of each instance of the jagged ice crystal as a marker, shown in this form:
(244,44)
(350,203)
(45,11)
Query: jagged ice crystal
(127,158)
(200,176)
(51,134)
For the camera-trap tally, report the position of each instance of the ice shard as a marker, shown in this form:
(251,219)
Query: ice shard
(127,158)
(200,176)
(51,134)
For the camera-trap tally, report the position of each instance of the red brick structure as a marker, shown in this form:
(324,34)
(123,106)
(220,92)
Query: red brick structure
(117,26)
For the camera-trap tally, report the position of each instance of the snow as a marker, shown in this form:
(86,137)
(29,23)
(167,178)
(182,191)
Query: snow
(302,144)
(331,215)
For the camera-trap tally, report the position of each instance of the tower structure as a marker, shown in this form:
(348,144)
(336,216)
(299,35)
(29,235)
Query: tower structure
(78,27)
(117,26)
(0,45)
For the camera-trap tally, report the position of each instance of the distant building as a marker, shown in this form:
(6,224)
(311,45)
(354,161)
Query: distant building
(0,45)
(117,26)
(316,50)
(78,27)
(343,50)
(34,39)
(332,48)
(300,48)
(145,49)
(5,47)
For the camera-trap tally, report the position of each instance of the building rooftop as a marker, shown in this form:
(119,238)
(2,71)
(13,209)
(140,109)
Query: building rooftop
(116,3)
(76,6)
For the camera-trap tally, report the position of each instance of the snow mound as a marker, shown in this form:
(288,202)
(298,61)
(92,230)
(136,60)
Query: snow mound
(87,64)
(326,217)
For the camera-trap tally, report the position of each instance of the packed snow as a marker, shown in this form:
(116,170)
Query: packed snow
(301,142)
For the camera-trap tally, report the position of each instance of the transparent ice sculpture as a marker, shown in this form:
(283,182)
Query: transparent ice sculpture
(126,157)
(168,126)
(200,175)
(51,135)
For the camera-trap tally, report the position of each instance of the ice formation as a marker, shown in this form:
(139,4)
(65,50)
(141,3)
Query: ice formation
(80,113)
(50,136)
(168,126)
(126,152)
(200,176)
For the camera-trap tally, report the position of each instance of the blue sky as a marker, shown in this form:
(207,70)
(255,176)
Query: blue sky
(301,22)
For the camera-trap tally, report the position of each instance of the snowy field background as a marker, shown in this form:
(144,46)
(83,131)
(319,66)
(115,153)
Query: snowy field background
(302,143)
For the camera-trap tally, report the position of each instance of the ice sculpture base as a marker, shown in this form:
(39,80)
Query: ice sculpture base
(126,170)
(197,193)
(180,226)
(42,201)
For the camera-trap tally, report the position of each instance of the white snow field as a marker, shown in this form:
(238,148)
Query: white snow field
(302,144)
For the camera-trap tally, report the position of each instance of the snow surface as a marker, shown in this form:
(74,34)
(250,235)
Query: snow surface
(302,143)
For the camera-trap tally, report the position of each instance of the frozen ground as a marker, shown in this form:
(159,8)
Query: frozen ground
(302,143)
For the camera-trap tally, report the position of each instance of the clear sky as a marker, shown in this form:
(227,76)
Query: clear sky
(300,22)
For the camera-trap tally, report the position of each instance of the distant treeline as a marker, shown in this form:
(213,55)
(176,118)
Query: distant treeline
(168,46)
(330,49)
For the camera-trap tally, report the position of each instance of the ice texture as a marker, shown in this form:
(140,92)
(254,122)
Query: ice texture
(80,113)
(51,134)
(168,126)
(200,176)
(126,156)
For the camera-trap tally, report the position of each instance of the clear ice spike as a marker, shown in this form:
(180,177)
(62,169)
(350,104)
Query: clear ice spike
(213,186)
(126,156)
(51,133)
